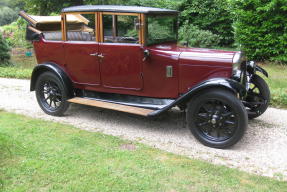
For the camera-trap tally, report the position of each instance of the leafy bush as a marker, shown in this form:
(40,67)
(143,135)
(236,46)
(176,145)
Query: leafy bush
(15,33)
(261,29)
(7,15)
(169,4)
(4,52)
(212,15)
(196,37)
(279,97)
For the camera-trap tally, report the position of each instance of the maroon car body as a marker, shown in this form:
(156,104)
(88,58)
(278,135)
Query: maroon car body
(97,62)
(146,78)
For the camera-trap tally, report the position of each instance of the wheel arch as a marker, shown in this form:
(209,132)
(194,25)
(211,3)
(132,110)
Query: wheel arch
(54,68)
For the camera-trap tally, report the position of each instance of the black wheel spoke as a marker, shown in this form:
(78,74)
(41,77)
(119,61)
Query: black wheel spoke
(202,124)
(207,108)
(55,103)
(50,104)
(203,116)
(49,96)
(227,114)
(228,122)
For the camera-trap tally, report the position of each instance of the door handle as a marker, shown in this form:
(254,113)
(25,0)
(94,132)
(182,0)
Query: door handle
(94,54)
(101,56)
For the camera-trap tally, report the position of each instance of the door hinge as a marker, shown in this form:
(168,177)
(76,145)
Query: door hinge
(169,71)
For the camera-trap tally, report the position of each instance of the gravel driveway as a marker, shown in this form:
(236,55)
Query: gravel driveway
(263,149)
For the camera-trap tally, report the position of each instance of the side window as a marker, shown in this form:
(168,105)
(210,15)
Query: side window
(121,29)
(81,27)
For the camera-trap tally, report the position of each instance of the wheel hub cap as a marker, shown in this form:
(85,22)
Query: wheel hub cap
(214,119)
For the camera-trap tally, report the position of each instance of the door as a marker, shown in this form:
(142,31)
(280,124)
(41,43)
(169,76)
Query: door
(121,61)
(81,49)
(81,62)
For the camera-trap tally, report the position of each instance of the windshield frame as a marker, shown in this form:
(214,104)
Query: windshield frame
(146,31)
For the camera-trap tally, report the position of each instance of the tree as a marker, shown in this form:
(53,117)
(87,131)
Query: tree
(211,15)
(260,27)
(4,51)
(7,15)
(46,7)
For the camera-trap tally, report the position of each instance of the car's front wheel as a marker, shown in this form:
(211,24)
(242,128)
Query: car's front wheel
(217,118)
(258,97)
(51,94)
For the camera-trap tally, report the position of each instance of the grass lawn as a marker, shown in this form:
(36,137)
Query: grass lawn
(36,155)
(22,66)
(278,84)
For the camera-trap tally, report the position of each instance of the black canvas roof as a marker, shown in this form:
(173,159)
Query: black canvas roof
(118,9)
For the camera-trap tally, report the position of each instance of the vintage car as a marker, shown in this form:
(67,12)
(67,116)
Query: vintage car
(127,58)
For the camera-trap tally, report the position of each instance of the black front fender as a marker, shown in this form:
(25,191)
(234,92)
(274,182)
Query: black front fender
(52,67)
(263,71)
(228,84)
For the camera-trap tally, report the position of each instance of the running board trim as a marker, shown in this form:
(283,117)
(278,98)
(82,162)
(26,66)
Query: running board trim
(112,106)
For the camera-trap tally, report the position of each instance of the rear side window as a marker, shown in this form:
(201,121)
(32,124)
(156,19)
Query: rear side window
(121,29)
(81,27)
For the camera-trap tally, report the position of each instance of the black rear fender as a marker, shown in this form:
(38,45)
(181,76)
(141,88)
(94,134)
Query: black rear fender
(51,67)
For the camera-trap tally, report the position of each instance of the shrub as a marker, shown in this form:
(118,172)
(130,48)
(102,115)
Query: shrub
(169,4)
(7,15)
(4,52)
(196,37)
(212,15)
(15,33)
(260,27)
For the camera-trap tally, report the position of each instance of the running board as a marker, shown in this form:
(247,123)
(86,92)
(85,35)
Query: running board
(112,106)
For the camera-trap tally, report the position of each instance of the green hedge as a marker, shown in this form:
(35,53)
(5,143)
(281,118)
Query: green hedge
(261,28)
(196,37)
(4,51)
(7,15)
(211,15)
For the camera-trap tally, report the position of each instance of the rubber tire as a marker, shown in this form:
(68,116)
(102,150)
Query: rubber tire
(264,89)
(64,104)
(228,98)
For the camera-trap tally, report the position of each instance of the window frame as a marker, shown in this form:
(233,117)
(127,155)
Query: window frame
(64,25)
(140,33)
(99,31)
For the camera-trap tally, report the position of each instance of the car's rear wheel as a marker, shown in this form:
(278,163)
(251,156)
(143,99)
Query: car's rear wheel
(258,97)
(51,94)
(217,118)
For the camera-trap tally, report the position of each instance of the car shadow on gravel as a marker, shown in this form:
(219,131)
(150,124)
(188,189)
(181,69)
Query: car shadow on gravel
(260,123)
(173,120)
(171,125)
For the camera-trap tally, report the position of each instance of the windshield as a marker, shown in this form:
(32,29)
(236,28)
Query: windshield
(161,29)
